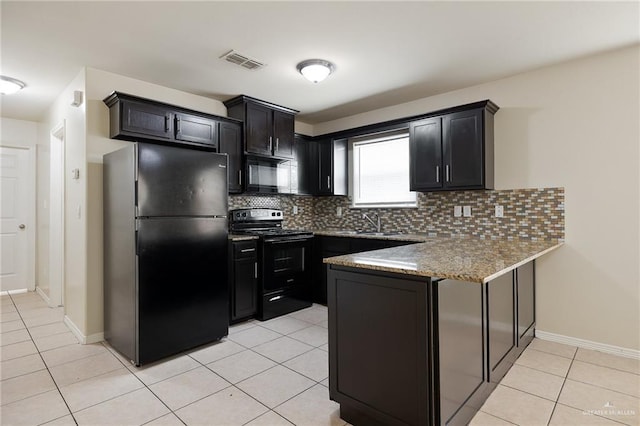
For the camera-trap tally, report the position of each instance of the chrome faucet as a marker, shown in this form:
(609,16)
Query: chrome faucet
(376,224)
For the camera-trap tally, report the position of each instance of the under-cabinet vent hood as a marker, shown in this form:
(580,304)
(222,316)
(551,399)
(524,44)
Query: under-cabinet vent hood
(242,60)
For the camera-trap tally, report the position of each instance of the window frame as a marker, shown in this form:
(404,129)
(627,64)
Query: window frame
(374,138)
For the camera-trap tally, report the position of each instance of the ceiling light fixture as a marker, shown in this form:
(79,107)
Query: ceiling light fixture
(315,70)
(10,85)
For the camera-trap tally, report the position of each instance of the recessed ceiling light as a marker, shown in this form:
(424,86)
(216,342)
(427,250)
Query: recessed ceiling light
(10,85)
(315,70)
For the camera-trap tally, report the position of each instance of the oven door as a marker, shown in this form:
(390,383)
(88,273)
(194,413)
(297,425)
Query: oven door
(268,175)
(286,263)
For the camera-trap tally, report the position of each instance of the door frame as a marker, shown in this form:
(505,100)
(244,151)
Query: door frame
(31,213)
(57,151)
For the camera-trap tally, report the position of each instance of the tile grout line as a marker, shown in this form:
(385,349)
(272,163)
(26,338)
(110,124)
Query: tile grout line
(555,404)
(48,371)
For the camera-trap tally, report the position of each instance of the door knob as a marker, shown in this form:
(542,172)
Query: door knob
(21,226)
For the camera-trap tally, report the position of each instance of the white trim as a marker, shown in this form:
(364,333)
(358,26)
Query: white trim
(44,295)
(588,344)
(18,291)
(85,340)
(57,149)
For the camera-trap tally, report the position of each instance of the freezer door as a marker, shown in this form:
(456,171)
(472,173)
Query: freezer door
(181,182)
(182,284)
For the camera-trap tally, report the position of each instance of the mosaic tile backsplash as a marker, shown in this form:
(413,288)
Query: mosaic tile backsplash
(536,214)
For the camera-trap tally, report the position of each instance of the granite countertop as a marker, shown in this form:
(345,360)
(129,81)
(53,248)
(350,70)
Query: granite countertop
(464,259)
(236,237)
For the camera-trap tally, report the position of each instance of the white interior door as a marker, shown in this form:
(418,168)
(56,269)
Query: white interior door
(14,212)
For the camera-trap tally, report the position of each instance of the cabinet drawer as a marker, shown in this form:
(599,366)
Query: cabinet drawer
(245,250)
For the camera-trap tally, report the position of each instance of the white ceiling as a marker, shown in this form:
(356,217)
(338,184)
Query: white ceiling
(385,52)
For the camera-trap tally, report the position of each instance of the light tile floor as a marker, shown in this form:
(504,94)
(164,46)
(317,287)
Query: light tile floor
(266,373)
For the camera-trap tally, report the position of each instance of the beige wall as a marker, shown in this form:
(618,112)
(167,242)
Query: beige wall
(24,134)
(75,265)
(574,125)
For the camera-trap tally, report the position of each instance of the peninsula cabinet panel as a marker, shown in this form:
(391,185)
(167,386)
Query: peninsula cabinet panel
(501,325)
(525,285)
(380,326)
(461,371)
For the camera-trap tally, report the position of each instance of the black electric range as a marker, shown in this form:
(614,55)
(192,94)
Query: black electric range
(285,260)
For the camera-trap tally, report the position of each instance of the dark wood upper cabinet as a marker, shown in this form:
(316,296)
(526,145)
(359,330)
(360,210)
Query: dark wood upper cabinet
(453,151)
(141,119)
(425,154)
(330,167)
(304,159)
(138,119)
(230,140)
(268,128)
(193,128)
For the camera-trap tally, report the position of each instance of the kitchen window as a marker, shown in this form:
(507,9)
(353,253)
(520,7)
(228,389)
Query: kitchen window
(379,166)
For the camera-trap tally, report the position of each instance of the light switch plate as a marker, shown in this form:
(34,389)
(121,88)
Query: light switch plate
(457,211)
(295,209)
(466,211)
(339,211)
(499,211)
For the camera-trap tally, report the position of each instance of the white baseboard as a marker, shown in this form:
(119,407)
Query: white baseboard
(85,340)
(7,292)
(44,295)
(588,344)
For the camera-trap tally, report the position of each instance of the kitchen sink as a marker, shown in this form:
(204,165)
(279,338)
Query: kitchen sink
(372,233)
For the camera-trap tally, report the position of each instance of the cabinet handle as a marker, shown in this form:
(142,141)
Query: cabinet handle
(239,177)
(270,143)
(328,182)
(446,170)
(248,250)
(166,122)
(438,174)
(178,124)
(277,144)
(255,270)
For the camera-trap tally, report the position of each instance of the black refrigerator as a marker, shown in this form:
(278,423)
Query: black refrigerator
(165,250)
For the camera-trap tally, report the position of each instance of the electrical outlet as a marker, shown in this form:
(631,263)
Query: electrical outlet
(499,211)
(339,211)
(295,209)
(466,211)
(457,211)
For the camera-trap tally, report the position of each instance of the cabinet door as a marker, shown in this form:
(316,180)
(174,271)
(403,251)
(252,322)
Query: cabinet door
(244,291)
(231,144)
(302,154)
(146,120)
(463,150)
(425,154)
(191,128)
(525,279)
(259,128)
(283,127)
(325,167)
(501,325)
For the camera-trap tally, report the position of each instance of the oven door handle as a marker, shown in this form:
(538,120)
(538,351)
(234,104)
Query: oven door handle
(284,240)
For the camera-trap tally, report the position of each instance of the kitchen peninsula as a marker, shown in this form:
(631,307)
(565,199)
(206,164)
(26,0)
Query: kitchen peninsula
(421,334)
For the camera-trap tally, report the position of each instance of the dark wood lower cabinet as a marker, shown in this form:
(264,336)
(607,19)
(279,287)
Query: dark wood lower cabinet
(243,280)
(409,350)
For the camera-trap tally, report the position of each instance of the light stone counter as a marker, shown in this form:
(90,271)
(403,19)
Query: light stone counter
(463,259)
(237,237)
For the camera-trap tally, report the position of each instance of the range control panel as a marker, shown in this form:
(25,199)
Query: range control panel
(245,215)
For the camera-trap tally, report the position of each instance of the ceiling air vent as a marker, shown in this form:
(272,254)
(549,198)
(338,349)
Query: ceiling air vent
(242,60)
